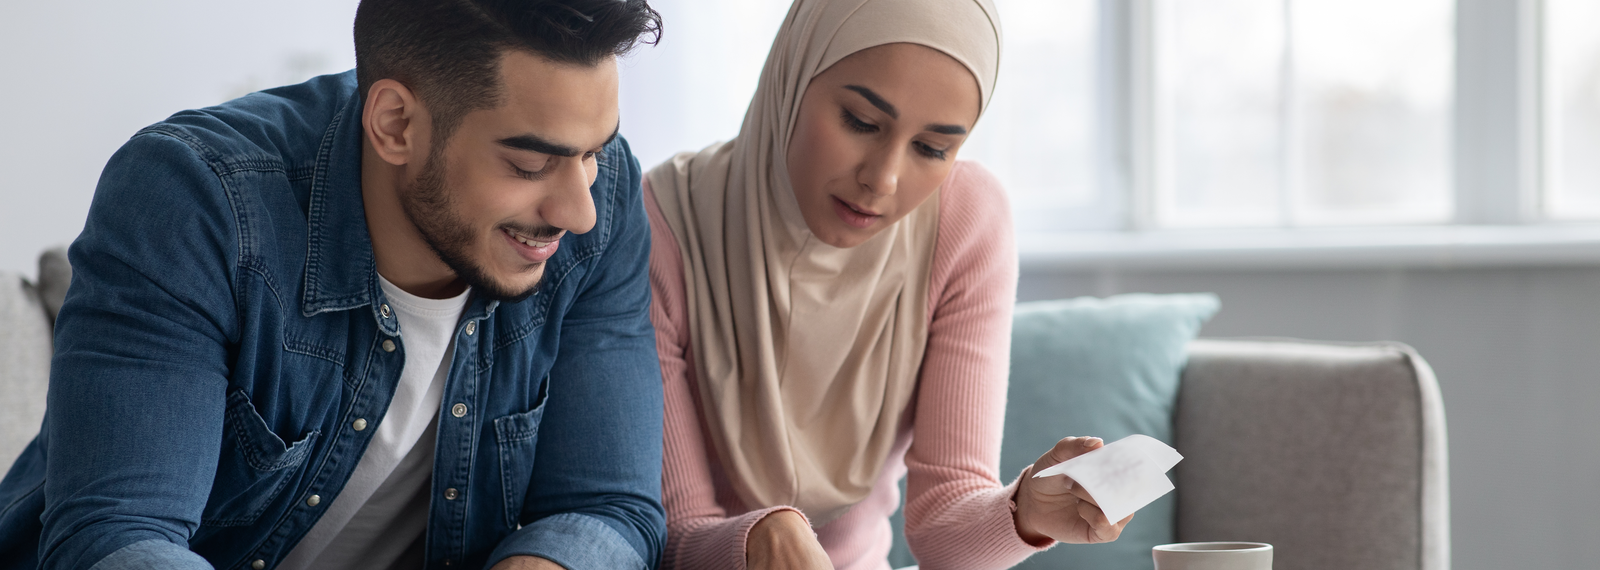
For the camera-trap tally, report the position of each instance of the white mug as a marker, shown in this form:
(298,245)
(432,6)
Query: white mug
(1213,556)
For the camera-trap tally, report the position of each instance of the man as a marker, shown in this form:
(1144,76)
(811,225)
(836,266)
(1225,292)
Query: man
(394,318)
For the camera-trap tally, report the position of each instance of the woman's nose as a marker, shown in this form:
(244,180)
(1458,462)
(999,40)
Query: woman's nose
(880,174)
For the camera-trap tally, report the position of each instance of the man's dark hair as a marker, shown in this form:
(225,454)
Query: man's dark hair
(448,51)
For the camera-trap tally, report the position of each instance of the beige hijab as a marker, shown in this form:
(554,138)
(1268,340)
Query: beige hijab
(806,354)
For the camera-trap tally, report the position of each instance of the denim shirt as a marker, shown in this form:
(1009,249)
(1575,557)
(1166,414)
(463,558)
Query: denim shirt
(225,330)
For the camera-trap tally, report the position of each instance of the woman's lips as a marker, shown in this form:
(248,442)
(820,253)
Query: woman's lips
(855,216)
(537,251)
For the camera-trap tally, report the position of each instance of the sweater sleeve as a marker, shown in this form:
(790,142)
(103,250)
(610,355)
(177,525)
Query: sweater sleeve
(700,532)
(958,514)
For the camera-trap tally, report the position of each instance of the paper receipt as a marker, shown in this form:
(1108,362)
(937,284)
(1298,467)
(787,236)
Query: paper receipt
(1123,476)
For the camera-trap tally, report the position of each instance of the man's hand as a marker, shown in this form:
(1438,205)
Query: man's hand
(1058,508)
(526,563)
(783,540)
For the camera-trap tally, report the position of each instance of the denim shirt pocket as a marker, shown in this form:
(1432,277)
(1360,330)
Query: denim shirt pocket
(254,466)
(517,437)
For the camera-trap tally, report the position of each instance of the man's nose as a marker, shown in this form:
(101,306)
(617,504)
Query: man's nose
(569,205)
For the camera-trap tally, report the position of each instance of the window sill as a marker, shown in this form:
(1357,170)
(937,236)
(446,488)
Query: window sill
(1316,248)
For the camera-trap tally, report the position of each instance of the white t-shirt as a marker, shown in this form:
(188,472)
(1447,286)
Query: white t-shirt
(377,521)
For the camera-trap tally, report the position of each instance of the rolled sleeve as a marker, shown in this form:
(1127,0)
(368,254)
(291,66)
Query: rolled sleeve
(575,541)
(153,553)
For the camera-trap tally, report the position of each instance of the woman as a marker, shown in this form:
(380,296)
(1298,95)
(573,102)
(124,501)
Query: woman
(832,302)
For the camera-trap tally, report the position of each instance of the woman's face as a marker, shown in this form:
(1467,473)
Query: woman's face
(877,133)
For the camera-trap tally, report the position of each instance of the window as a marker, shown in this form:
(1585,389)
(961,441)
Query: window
(1302,112)
(1039,135)
(1179,114)
(1571,50)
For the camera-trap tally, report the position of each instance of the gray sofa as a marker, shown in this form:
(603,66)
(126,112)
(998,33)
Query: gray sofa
(27,310)
(1333,453)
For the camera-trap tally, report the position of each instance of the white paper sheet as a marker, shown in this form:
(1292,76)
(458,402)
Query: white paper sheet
(1123,476)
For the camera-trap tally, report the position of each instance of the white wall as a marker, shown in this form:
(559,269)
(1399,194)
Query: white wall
(81,77)
(1517,353)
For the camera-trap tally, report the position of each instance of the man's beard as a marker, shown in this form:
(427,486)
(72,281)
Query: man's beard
(428,206)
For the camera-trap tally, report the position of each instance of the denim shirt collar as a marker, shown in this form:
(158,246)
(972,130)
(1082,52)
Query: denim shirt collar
(341,271)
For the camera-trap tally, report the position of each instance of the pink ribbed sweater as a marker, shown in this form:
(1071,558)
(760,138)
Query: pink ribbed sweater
(958,514)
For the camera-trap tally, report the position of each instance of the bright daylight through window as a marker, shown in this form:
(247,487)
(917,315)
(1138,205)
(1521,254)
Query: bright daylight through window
(1571,109)
(1177,114)
(1302,112)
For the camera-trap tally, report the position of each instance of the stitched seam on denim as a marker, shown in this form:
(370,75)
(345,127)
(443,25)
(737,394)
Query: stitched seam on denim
(255,265)
(506,484)
(300,173)
(298,346)
(231,167)
(211,160)
(291,454)
(317,204)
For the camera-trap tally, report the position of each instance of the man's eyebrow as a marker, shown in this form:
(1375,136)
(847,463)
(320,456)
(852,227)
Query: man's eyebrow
(947,129)
(876,101)
(534,143)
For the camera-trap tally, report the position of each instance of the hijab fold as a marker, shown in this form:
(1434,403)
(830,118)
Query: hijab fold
(806,355)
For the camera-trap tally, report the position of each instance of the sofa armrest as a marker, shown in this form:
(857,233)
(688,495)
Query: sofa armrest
(55,274)
(1333,453)
(25,350)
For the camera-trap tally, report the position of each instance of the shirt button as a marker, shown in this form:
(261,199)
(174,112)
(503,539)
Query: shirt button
(259,564)
(388,345)
(472,327)
(384,310)
(359,424)
(313,500)
(451,494)
(458,410)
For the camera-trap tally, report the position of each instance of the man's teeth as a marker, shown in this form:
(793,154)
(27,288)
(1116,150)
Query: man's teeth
(529,242)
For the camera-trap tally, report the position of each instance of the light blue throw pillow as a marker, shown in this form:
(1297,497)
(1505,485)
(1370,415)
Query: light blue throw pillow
(1107,368)
(1102,367)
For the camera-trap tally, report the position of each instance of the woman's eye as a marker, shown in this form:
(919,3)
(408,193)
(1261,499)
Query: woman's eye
(930,152)
(855,124)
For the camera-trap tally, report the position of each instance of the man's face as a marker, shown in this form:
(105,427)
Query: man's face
(495,199)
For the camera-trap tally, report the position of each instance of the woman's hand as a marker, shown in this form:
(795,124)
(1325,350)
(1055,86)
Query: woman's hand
(1058,508)
(783,540)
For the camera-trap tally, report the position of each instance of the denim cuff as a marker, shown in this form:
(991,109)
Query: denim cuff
(153,553)
(575,541)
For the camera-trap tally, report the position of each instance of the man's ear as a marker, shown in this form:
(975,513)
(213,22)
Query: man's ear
(396,123)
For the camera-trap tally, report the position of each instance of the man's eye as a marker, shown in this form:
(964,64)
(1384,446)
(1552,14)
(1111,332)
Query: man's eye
(533,175)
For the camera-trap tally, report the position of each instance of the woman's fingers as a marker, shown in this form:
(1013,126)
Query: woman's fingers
(1100,529)
(1082,494)
(1068,448)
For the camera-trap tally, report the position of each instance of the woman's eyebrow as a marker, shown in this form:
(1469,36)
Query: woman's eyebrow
(947,129)
(876,101)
